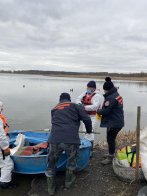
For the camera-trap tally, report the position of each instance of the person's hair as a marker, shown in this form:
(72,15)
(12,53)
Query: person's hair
(65,96)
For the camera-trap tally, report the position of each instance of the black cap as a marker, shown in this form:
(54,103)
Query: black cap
(91,84)
(108,84)
(65,96)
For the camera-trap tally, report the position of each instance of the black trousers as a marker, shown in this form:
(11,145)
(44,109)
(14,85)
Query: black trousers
(111,136)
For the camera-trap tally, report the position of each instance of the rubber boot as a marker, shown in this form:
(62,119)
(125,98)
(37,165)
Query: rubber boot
(51,185)
(7,185)
(69,179)
(106,155)
(108,160)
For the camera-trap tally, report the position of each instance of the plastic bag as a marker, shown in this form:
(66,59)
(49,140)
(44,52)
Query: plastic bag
(19,142)
(89,136)
(143,150)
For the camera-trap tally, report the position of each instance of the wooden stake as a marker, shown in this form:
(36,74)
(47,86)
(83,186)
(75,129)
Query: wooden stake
(137,143)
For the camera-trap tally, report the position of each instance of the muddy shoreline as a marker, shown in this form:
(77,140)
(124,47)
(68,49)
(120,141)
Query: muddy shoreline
(94,180)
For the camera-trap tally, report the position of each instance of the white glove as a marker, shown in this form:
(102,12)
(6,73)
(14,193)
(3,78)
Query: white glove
(89,136)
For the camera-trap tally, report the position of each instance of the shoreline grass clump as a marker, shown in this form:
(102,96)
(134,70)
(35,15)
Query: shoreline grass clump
(123,138)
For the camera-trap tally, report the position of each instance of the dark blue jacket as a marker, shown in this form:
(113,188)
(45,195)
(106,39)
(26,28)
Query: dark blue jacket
(66,117)
(112,110)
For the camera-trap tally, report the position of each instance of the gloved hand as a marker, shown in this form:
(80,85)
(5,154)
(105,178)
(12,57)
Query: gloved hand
(81,104)
(89,136)
(98,117)
(6,151)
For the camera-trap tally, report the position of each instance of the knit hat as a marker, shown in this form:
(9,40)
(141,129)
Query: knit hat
(65,96)
(91,84)
(108,84)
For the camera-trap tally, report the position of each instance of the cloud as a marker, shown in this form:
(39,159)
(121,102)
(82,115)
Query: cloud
(89,35)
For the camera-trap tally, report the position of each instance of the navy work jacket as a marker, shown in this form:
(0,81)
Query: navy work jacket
(112,110)
(66,117)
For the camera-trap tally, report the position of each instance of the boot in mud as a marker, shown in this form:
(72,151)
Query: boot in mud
(51,185)
(7,185)
(108,160)
(69,179)
(106,155)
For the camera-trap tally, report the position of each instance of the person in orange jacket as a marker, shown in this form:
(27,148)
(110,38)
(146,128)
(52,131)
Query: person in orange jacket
(6,163)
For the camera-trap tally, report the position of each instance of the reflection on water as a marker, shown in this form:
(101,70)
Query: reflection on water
(29,99)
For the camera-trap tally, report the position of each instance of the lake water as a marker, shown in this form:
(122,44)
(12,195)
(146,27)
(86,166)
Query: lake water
(28,100)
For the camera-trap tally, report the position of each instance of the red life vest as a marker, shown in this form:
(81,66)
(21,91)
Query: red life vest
(4,123)
(86,100)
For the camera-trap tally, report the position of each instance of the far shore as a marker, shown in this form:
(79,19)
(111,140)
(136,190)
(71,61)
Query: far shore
(114,76)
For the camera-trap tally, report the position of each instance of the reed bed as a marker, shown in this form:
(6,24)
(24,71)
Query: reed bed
(123,138)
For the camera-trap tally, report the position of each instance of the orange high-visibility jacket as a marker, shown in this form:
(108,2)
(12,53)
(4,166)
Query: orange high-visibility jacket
(4,123)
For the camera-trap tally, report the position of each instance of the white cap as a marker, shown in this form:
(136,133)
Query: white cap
(1,106)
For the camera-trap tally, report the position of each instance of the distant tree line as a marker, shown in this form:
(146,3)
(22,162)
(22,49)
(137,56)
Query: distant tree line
(59,73)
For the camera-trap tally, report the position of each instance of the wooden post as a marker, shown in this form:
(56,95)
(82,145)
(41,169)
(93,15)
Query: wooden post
(137,143)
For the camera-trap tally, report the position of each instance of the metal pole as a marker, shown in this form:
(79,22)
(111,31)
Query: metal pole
(137,143)
(48,130)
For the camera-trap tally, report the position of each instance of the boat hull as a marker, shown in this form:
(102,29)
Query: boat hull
(35,164)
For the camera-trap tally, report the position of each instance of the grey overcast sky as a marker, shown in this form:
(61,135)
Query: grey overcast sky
(74,35)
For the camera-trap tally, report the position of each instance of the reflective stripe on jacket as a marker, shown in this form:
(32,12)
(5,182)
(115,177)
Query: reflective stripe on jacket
(112,110)
(65,118)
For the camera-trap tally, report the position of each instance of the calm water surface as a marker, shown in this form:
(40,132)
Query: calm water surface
(28,100)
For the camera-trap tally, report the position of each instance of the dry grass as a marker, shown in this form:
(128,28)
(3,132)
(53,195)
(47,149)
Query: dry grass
(123,138)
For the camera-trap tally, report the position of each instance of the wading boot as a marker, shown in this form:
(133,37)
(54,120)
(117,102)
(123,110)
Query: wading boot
(106,155)
(7,185)
(51,185)
(108,160)
(69,178)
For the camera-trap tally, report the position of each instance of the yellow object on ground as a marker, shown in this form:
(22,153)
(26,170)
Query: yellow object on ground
(129,153)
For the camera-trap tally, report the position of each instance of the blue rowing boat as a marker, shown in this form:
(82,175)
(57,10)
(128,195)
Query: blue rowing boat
(37,163)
